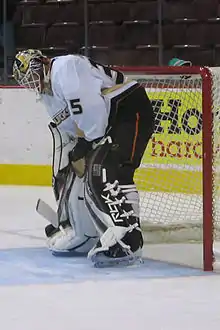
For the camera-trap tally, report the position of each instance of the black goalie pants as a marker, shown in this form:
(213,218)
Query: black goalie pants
(132,121)
(131,126)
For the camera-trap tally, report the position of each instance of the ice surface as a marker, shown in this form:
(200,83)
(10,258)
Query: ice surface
(39,291)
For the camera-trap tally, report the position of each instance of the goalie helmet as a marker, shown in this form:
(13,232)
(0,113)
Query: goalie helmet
(29,69)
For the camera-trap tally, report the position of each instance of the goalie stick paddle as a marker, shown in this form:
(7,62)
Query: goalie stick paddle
(47,212)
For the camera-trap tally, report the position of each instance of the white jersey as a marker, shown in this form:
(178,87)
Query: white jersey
(77,100)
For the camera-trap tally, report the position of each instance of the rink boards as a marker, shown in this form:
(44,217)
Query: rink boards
(26,149)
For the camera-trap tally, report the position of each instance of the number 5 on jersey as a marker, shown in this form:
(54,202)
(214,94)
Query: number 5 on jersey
(76,106)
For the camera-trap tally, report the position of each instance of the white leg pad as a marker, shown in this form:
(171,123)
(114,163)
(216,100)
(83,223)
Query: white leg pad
(81,236)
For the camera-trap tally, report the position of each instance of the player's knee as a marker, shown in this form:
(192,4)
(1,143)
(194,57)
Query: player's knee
(102,166)
(126,173)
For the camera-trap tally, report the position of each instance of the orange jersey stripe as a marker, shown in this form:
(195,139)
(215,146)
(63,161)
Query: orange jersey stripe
(135,135)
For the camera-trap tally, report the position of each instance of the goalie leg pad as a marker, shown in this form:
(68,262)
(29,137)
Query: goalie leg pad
(62,145)
(76,235)
(114,208)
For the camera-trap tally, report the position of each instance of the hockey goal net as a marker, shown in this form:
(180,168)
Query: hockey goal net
(179,177)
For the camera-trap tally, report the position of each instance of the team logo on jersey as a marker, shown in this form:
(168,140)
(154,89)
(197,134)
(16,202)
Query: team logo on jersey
(61,116)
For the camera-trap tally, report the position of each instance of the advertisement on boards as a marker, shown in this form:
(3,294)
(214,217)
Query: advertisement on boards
(177,137)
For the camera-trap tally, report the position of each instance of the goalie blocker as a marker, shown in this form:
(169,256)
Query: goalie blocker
(110,193)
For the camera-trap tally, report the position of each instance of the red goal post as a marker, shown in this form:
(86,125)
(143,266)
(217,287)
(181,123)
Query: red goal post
(183,92)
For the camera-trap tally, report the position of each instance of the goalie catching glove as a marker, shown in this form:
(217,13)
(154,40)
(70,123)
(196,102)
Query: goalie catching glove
(78,154)
(80,150)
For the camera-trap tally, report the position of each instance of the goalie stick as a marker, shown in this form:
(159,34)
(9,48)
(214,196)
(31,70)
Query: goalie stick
(54,217)
(47,212)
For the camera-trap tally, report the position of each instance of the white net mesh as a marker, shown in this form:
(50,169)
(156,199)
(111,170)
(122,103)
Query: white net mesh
(216,151)
(170,176)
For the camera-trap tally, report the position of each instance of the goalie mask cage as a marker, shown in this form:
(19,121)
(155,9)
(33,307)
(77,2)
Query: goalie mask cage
(179,176)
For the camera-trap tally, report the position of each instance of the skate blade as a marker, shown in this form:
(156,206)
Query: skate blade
(101,261)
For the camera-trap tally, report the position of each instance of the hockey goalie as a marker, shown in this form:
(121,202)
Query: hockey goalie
(101,125)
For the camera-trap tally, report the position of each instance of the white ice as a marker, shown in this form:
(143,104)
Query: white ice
(110,300)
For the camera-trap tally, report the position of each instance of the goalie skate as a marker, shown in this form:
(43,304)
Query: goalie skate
(103,260)
(106,253)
